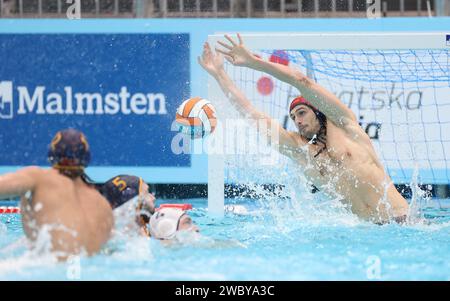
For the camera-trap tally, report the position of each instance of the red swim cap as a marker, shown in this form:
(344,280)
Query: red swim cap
(184,207)
(300,101)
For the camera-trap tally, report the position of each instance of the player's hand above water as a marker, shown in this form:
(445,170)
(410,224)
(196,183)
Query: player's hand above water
(211,62)
(236,53)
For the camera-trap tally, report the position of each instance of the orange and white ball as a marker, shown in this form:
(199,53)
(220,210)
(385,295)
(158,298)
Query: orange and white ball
(196,117)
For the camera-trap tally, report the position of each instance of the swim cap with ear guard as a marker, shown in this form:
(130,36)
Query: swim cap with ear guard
(121,189)
(300,101)
(69,149)
(164,223)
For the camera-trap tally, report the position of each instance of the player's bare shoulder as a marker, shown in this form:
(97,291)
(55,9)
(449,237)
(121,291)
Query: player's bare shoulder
(32,171)
(294,147)
(52,177)
(30,175)
(353,130)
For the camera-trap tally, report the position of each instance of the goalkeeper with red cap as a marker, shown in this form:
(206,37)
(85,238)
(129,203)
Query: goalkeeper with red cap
(330,147)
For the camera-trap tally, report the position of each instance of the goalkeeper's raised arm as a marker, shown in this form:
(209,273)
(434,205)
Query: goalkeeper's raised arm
(288,143)
(325,101)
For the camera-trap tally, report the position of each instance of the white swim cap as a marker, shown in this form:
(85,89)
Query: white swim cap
(164,223)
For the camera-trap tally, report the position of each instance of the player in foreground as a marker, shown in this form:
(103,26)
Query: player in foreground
(58,204)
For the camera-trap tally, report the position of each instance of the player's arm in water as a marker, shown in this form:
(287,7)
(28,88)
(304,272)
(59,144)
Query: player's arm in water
(213,64)
(18,183)
(325,101)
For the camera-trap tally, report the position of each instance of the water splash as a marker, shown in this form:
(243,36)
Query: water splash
(23,264)
(319,246)
(419,196)
(24,256)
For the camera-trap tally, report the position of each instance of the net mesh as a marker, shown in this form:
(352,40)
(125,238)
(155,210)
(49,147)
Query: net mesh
(401,98)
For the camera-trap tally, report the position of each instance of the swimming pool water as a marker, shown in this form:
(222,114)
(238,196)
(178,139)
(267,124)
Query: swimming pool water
(273,241)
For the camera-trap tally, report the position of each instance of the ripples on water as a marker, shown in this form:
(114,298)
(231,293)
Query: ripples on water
(270,239)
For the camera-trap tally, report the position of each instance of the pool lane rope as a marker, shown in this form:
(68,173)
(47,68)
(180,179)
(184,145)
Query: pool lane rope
(12,210)
(8,210)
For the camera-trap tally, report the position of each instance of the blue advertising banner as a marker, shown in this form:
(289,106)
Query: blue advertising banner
(121,90)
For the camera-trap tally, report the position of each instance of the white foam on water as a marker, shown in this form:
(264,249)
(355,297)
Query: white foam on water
(126,247)
(127,241)
(236,209)
(22,264)
(3,229)
(418,200)
(125,219)
(14,247)
(36,254)
(294,206)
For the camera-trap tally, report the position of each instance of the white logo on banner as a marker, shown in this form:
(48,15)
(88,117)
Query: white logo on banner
(6,100)
(76,103)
